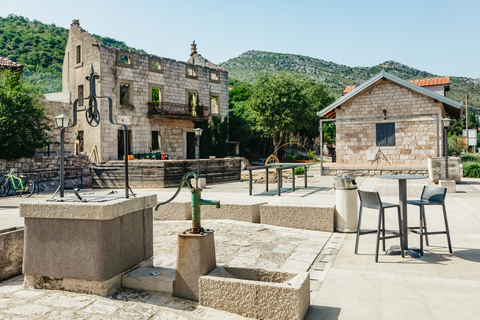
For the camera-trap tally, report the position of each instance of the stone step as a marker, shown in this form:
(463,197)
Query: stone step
(150,279)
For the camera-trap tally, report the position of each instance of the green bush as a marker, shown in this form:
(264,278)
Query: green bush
(453,148)
(471,169)
(470,158)
(300,171)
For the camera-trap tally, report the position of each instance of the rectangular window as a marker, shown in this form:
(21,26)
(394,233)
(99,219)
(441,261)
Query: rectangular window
(214,76)
(191,72)
(79,54)
(80,95)
(155,64)
(192,99)
(385,134)
(156,140)
(214,107)
(124,59)
(156,95)
(124,94)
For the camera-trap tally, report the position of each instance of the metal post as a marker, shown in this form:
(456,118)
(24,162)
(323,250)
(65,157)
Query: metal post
(445,143)
(250,181)
(266,179)
(62,160)
(197,154)
(438,135)
(293,179)
(279,182)
(305,169)
(125,146)
(321,149)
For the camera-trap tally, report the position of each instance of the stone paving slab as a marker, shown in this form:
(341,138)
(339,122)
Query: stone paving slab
(238,244)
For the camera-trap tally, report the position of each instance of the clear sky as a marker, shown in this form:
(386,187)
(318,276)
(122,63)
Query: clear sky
(440,37)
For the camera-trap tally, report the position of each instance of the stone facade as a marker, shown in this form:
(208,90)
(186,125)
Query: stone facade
(415,135)
(129,78)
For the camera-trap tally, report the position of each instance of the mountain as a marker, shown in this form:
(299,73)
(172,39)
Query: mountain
(40,48)
(248,65)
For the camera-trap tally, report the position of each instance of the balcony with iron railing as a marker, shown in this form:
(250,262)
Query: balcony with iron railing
(177,111)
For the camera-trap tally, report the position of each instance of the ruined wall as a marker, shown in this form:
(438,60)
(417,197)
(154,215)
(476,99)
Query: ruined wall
(138,74)
(48,169)
(415,138)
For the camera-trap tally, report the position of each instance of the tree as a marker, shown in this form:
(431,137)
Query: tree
(284,104)
(24,125)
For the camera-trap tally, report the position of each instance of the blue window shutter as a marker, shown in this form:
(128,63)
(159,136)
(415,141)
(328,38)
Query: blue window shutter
(385,134)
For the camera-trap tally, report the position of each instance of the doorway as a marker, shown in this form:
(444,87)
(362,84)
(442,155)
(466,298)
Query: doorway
(121,146)
(190,145)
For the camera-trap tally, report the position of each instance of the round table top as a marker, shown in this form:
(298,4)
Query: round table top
(402,176)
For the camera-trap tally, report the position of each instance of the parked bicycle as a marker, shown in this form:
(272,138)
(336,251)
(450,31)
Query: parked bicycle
(20,184)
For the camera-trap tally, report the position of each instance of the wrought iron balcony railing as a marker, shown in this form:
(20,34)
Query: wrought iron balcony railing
(177,110)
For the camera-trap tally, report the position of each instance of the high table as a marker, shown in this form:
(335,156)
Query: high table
(402,197)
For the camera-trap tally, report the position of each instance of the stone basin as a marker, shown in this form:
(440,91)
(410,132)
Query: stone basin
(256,293)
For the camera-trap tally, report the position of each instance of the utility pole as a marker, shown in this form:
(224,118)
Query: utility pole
(466,119)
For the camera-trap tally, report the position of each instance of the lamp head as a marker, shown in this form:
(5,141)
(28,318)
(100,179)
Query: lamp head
(62,121)
(446,122)
(198,131)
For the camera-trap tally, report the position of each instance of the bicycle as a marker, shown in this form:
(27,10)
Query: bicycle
(21,186)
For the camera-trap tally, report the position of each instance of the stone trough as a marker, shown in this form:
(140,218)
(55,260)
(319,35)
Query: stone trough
(11,252)
(256,293)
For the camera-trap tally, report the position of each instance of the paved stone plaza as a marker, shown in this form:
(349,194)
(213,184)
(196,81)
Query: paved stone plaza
(439,285)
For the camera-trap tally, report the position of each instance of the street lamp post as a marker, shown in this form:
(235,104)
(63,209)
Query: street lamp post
(446,124)
(198,133)
(62,122)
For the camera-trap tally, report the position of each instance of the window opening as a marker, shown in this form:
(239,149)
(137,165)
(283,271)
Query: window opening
(124,94)
(214,104)
(156,95)
(124,59)
(385,134)
(79,54)
(80,95)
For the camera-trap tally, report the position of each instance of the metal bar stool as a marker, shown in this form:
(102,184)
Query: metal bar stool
(430,196)
(371,200)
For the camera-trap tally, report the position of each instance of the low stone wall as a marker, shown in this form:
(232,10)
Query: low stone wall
(11,252)
(248,212)
(47,171)
(175,210)
(310,217)
(162,173)
(367,171)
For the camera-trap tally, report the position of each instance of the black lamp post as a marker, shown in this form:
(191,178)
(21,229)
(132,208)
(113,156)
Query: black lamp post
(446,124)
(198,133)
(62,122)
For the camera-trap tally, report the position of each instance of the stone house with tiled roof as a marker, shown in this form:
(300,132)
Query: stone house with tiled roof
(157,98)
(9,64)
(398,117)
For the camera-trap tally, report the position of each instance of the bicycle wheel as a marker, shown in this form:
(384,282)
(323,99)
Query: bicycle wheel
(28,188)
(4,188)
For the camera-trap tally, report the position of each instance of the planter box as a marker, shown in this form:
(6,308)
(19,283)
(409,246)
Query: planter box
(11,252)
(86,247)
(436,169)
(256,293)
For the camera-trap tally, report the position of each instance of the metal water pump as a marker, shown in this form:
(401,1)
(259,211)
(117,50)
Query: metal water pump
(196,202)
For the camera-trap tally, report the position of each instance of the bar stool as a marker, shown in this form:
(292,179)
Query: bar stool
(371,200)
(431,195)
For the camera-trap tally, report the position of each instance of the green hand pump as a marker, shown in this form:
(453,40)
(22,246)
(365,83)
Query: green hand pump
(196,202)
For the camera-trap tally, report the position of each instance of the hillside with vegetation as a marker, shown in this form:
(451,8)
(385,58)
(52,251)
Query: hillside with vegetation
(247,66)
(40,48)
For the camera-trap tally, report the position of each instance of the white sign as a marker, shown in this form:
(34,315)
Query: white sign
(472,136)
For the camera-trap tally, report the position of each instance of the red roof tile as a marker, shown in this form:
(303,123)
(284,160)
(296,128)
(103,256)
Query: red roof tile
(347,89)
(6,62)
(431,82)
(420,82)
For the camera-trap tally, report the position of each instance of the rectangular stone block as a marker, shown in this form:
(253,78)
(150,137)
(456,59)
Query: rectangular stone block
(11,252)
(90,242)
(248,212)
(175,210)
(256,293)
(310,217)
